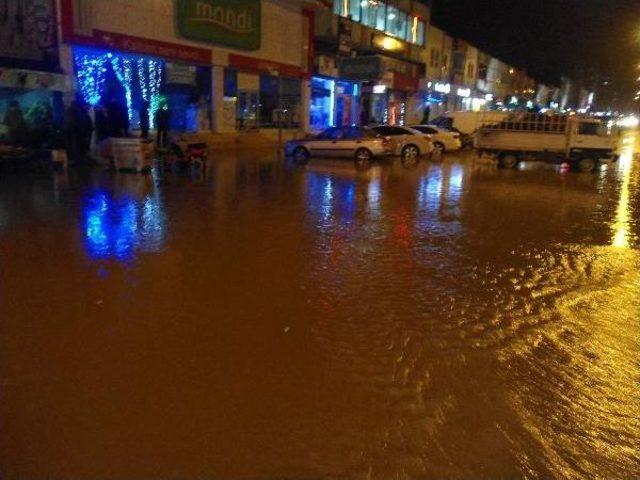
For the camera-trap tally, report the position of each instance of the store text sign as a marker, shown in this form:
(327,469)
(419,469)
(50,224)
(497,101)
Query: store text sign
(233,23)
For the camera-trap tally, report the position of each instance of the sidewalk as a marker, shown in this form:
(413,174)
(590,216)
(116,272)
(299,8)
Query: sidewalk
(263,139)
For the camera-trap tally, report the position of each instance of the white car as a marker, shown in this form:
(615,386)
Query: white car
(443,140)
(406,142)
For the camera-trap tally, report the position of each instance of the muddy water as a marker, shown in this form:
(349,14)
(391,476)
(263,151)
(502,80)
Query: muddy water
(265,321)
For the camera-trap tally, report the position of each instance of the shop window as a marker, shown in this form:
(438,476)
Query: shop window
(347,8)
(270,101)
(373,14)
(230,82)
(396,23)
(322,103)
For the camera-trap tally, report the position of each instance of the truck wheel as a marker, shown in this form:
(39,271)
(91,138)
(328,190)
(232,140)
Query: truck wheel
(587,165)
(508,160)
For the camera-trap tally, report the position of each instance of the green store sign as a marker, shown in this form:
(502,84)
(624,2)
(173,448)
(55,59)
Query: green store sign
(232,23)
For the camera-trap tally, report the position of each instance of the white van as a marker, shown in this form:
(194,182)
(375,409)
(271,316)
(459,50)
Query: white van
(468,122)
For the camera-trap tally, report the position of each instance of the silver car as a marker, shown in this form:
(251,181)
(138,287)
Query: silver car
(406,142)
(360,143)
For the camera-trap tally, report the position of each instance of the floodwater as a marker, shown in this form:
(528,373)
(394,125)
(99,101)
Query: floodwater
(272,322)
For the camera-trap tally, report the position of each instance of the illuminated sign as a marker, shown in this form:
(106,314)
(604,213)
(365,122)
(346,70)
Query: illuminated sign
(464,92)
(442,87)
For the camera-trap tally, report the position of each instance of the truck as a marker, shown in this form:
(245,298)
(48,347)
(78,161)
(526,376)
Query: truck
(582,142)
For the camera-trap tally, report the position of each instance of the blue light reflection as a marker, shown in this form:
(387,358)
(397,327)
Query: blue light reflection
(117,228)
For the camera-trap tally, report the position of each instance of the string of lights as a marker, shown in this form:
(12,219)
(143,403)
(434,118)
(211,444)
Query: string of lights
(134,73)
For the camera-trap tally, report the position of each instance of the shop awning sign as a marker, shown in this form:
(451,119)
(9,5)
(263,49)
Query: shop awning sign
(360,68)
(232,23)
(34,80)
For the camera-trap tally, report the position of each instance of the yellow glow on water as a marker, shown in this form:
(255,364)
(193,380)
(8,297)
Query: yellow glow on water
(621,224)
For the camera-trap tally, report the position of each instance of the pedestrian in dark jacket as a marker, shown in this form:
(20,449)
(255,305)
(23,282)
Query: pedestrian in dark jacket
(78,129)
(163,119)
(144,120)
(16,126)
(103,129)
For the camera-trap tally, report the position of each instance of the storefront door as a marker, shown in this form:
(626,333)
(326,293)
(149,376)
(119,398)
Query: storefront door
(248,109)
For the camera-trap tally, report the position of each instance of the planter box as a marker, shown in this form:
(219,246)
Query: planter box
(131,154)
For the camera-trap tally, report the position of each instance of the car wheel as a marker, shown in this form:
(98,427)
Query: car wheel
(410,155)
(437,152)
(587,165)
(301,156)
(362,159)
(508,160)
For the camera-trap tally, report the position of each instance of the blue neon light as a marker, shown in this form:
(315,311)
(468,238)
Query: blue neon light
(136,74)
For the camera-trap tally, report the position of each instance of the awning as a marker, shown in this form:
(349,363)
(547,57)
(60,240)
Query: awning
(34,80)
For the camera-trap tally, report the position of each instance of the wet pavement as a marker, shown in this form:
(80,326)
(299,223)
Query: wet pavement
(272,322)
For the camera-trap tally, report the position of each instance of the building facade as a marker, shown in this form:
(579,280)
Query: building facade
(368,63)
(32,85)
(217,65)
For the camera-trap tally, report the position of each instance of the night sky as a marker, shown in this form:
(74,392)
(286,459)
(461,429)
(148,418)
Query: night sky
(550,38)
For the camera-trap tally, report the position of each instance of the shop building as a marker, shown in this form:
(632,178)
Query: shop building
(437,57)
(31,82)
(368,63)
(218,65)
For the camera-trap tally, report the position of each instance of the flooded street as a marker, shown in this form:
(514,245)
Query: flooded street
(267,321)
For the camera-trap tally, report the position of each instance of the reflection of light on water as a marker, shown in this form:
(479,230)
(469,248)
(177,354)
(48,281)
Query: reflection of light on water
(373,195)
(621,223)
(115,228)
(430,189)
(455,182)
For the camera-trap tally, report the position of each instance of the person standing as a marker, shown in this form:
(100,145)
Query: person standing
(426,115)
(163,119)
(101,123)
(78,130)
(16,126)
(144,120)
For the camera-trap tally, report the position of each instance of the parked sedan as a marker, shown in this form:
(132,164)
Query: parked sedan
(406,142)
(360,143)
(443,139)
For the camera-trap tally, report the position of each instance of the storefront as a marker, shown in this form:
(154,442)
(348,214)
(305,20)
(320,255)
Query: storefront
(191,56)
(334,103)
(38,97)
(143,83)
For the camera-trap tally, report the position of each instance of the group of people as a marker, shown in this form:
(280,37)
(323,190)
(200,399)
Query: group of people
(110,120)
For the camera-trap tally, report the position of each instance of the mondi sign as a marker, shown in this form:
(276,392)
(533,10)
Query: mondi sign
(233,23)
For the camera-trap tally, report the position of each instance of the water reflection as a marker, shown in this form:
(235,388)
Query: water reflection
(117,227)
(621,223)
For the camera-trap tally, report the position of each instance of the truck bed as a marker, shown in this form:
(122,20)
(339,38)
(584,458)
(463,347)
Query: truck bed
(526,141)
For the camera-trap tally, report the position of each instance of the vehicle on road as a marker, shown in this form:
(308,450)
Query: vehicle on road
(407,143)
(582,142)
(443,140)
(362,144)
(467,123)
